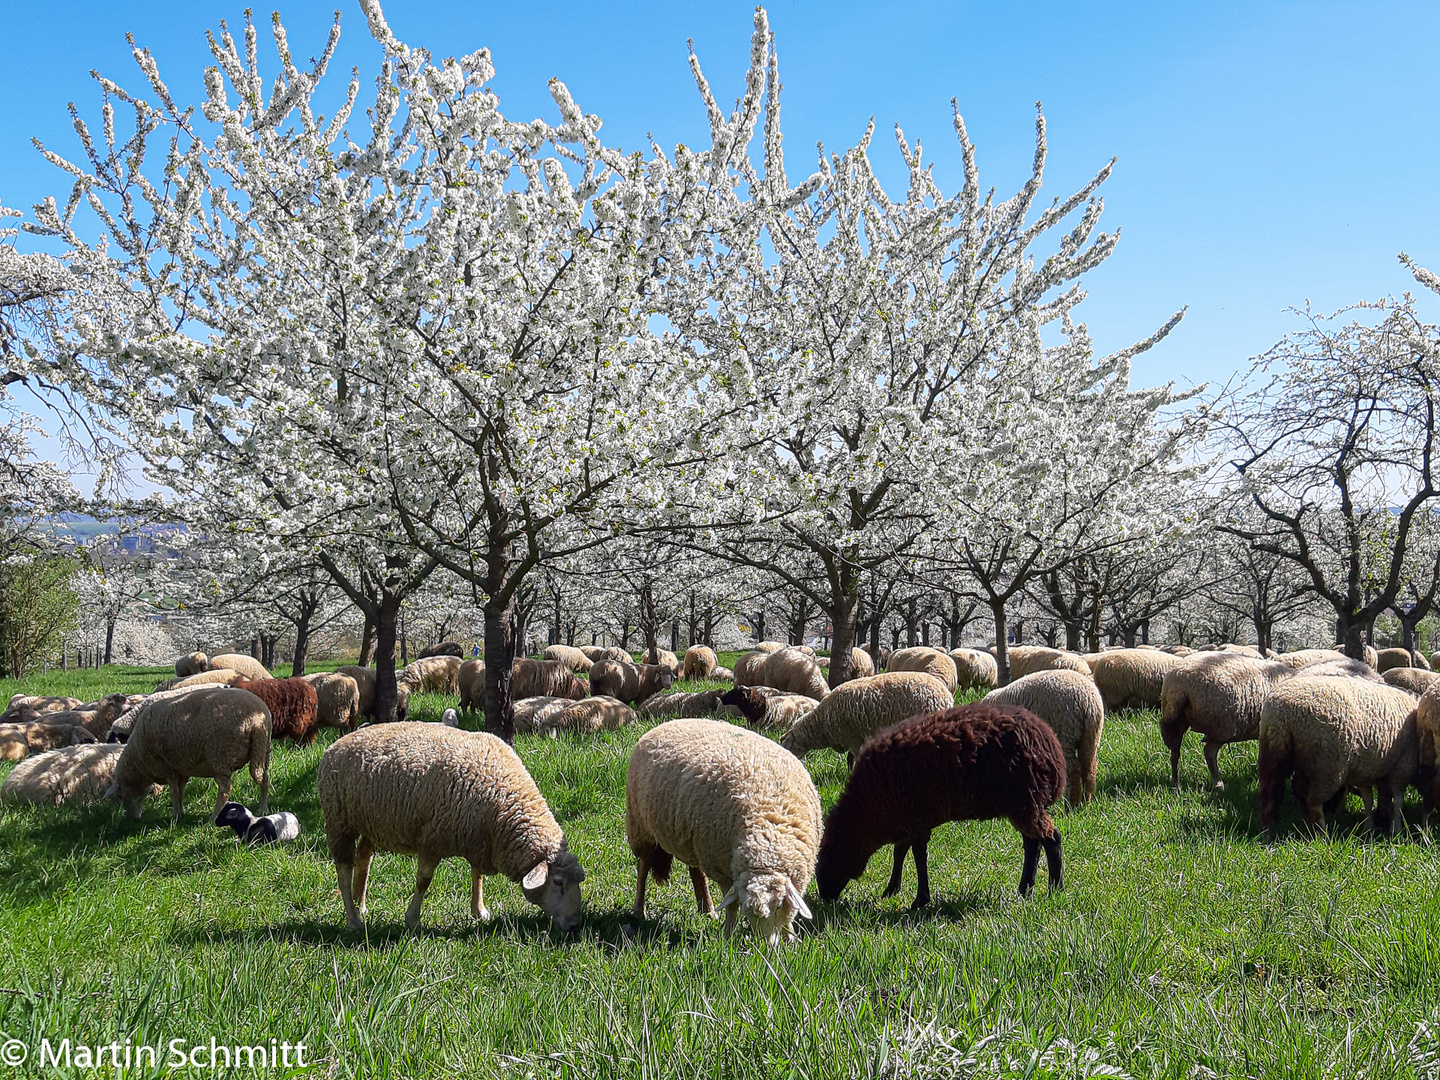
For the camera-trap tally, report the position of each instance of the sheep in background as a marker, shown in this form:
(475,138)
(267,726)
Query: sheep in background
(857,710)
(548,678)
(245,665)
(209,732)
(531,711)
(665,658)
(723,674)
(365,682)
(614,652)
(472,685)
(338,698)
(27,708)
(19,741)
(1027,659)
(1342,668)
(1218,694)
(445,648)
(595,713)
(212,677)
(571,657)
(974,669)
(789,669)
(294,708)
(861,665)
(732,806)
(1415,680)
(930,661)
(191,664)
(1075,710)
(1305,657)
(450,718)
(79,774)
(629,682)
(436,792)
(779,712)
(432,675)
(881,661)
(1385,659)
(700,662)
(1330,735)
(968,763)
(1132,678)
(595,653)
(96,718)
(678,703)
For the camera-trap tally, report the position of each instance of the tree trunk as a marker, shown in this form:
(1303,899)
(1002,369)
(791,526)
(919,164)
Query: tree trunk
(1073,631)
(1351,638)
(499,658)
(842,628)
(254,648)
(386,630)
(367,640)
(109,638)
(911,619)
(675,636)
(302,642)
(1002,646)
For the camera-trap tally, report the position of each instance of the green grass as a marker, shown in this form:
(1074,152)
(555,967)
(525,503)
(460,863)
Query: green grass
(1181,946)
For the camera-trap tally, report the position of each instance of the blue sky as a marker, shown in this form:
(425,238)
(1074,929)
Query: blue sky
(1269,153)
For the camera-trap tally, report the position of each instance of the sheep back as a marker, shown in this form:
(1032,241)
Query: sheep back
(548,678)
(337,697)
(856,710)
(1026,659)
(700,662)
(245,665)
(471,681)
(570,656)
(629,682)
(1132,678)
(531,712)
(792,670)
(72,774)
(1415,680)
(595,713)
(923,658)
(974,668)
(1385,659)
(1074,708)
(19,741)
(679,703)
(431,675)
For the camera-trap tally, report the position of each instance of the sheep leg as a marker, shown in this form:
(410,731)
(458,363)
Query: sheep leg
(1052,859)
(1032,863)
(477,896)
(642,871)
(922,872)
(1075,784)
(1212,760)
(343,872)
(177,797)
(702,891)
(1175,765)
(222,796)
(424,871)
(893,886)
(363,854)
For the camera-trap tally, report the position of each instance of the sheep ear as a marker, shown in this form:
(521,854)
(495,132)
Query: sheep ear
(793,894)
(731,897)
(535,879)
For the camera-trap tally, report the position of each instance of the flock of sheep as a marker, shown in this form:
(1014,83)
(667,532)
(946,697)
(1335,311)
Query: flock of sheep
(732,804)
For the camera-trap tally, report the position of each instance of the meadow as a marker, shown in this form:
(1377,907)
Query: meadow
(1181,947)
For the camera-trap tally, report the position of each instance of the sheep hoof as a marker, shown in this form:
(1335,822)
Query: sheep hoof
(1219,785)
(355,924)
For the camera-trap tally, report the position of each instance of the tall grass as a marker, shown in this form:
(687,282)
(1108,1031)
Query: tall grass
(1181,946)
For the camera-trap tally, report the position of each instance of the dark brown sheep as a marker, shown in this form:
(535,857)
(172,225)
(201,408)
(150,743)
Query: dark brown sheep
(294,707)
(445,648)
(545,678)
(969,763)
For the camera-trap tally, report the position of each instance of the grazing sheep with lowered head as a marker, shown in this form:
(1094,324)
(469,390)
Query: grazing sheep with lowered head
(437,792)
(1218,694)
(629,682)
(1073,707)
(790,669)
(974,669)
(472,685)
(1415,680)
(1327,735)
(1027,659)
(338,699)
(211,732)
(732,806)
(1132,678)
(857,710)
(967,763)
(779,712)
(570,656)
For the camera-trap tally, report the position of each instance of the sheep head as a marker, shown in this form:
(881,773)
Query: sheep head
(554,887)
(770,903)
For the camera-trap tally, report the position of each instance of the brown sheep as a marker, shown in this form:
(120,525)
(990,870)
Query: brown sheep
(628,682)
(294,708)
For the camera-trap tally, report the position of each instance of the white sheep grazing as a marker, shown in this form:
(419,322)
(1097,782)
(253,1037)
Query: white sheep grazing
(1132,678)
(1075,710)
(974,668)
(450,718)
(923,658)
(680,703)
(856,710)
(432,675)
(272,829)
(435,792)
(731,805)
(700,662)
(791,669)
(572,657)
(245,665)
(211,731)
(1025,659)
(1332,734)
(597,713)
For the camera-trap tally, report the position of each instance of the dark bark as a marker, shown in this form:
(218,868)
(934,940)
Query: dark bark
(109,637)
(1002,649)
(499,656)
(387,619)
(367,640)
(302,640)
